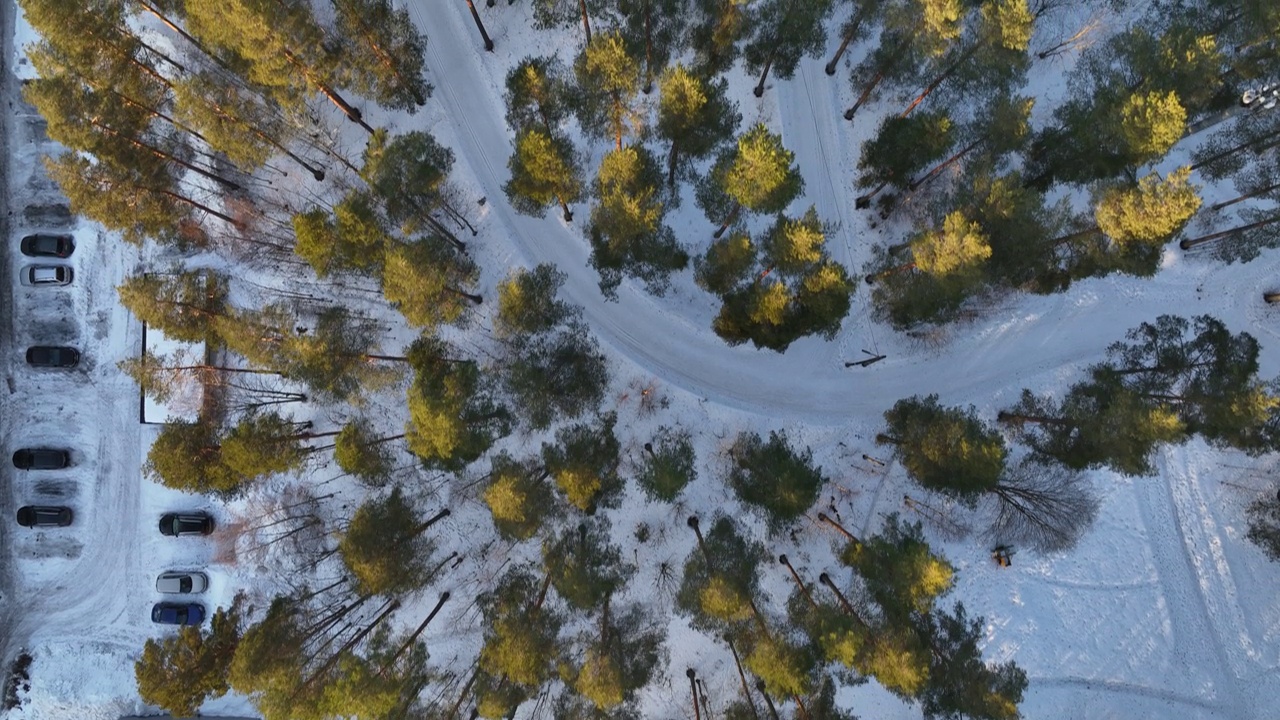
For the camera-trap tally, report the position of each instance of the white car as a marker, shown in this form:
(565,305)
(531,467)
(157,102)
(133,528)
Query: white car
(49,275)
(178,582)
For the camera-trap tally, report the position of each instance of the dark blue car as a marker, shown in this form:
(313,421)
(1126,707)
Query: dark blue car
(177,613)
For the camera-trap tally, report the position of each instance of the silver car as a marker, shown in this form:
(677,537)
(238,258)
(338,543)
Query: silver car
(178,582)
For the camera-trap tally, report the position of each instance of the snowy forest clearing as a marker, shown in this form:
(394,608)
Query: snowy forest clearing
(1162,609)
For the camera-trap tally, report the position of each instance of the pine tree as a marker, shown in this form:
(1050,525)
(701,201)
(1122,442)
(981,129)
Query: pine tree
(187,456)
(555,375)
(618,660)
(1151,212)
(948,450)
(585,568)
(354,239)
(263,444)
(774,477)
(960,683)
(385,547)
(527,303)
(654,31)
(900,570)
(796,290)
(359,451)
(1264,524)
(784,32)
(384,54)
(453,415)
(784,666)
(408,173)
(584,464)
(428,282)
(521,642)
(903,147)
(1098,423)
(269,660)
(626,230)
(537,95)
(694,116)
(544,170)
(668,464)
(721,577)
(519,497)
(1151,124)
(281,47)
(1209,379)
(758,175)
(178,673)
(608,81)
(721,24)
(179,303)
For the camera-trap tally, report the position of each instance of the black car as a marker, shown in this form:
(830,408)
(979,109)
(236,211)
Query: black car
(44,516)
(41,459)
(177,613)
(177,524)
(48,245)
(52,356)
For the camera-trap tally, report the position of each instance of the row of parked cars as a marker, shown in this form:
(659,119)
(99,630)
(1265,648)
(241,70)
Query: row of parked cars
(50,245)
(174,582)
(179,582)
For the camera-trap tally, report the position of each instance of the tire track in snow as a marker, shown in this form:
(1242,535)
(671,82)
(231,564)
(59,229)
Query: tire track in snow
(1198,647)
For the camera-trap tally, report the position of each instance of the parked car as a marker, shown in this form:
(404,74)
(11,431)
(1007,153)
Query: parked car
(177,581)
(48,245)
(41,459)
(168,613)
(49,274)
(44,516)
(177,524)
(52,356)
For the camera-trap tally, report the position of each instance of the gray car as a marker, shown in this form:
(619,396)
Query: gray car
(176,582)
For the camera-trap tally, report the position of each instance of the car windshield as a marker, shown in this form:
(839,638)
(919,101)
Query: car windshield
(184,584)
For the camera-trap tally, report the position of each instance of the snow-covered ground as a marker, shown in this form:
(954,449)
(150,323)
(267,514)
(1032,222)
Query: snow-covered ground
(1162,611)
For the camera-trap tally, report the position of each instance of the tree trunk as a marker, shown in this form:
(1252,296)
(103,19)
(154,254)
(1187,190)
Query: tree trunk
(389,62)
(866,93)
(759,89)
(391,607)
(1242,198)
(848,38)
(199,206)
(475,299)
(874,277)
(672,159)
(822,517)
(568,216)
(316,173)
(453,712)
(849,610)
(542,594)
(1073,236)
(586,23)
(1014,418)
(431,521)
(733,215)
(488,44)
(799,583)
(185,35)
(941,78)
(648,47)
(945,164)
(693,688)
(742,677)
(353,114)
(1193,242)
(444,597)
(163,155)
(768,701)
(1218,156)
